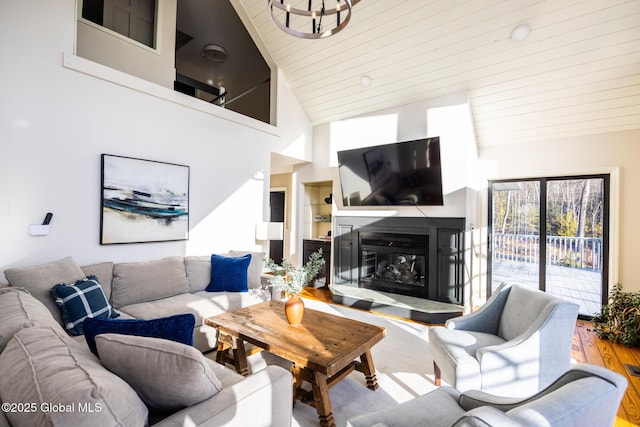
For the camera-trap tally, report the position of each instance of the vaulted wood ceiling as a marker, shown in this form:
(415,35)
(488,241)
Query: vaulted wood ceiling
(577,73)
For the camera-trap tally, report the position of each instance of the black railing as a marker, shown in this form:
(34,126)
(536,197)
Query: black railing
(573,252)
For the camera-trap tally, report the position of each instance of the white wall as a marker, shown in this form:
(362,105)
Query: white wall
(613,152)
(56,121)
(447,117)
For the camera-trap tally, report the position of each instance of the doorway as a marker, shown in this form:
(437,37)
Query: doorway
(276,214)
(552,234)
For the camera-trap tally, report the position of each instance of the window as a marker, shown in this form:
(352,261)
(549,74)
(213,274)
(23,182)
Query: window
(135,19)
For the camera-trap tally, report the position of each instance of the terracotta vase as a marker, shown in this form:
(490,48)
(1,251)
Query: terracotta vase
(294,310)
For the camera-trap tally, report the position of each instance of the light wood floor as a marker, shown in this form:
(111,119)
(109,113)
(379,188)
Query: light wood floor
(587,348)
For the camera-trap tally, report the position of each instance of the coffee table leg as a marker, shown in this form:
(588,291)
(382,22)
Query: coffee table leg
(296,371)
(321,399)
(226,342)
(240,357)
(369,370)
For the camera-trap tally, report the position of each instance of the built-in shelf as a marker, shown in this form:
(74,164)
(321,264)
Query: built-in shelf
(317,210)
(317,223)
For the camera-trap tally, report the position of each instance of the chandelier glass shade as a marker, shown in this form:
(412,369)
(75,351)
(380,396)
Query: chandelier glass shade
(310,19)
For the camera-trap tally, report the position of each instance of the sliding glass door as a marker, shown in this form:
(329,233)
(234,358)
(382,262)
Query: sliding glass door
(551,234)
(515,228)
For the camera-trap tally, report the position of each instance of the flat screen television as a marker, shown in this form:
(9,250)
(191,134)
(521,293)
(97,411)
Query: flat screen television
(400,174)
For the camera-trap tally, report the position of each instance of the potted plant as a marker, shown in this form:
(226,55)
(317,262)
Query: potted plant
(292,279)
(619,320)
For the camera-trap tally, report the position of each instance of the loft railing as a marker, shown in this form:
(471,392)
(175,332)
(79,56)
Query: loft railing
(574,252)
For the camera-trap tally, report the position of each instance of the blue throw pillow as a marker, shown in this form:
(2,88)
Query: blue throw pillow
(229,274)
(177,328)
(85,299)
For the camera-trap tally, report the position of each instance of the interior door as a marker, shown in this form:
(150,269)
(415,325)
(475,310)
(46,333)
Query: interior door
(131,18)
(277,213)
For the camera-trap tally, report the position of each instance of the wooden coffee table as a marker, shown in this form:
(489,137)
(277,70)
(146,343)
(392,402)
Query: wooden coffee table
(323,349)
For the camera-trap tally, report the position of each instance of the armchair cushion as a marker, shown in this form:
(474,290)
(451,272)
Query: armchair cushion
(486,416)
(458,348)
(515,319)
(441,405)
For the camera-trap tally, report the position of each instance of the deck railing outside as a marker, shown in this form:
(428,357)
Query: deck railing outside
(575,252)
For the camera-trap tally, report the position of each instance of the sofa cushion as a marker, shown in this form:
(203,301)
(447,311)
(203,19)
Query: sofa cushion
(167,375)
(80,301)
(38,280)
(229,274)
(177,328)
(255,267)
(43,368)
(4,422)
(104,272)
(201,304)
(21,310)
(198,272)
(223,302)
(178,304)
(136,282)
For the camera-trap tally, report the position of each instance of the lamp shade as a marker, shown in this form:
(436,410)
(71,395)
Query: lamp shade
(270,231)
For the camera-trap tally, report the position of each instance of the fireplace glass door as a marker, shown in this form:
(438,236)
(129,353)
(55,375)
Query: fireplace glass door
(394,263)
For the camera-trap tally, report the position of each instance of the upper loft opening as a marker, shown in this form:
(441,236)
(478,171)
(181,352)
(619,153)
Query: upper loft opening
(201,49)
(217,60)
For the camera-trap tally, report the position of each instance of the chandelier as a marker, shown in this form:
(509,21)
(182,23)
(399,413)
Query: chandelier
(300,19)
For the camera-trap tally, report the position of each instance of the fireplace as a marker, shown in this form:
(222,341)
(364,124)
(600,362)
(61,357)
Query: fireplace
(394,262)
(412,256)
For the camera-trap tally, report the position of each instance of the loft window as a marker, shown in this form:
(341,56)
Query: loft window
(135,19)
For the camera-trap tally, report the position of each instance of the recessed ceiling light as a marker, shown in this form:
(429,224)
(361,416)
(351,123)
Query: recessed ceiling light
(520,33)
(365,81)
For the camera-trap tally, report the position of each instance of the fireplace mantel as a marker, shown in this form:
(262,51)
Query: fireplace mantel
(444,253)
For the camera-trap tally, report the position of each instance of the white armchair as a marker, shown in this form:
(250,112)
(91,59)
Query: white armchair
(514,345)
(586,395)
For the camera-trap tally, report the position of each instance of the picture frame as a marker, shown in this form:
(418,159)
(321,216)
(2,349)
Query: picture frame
(143,201)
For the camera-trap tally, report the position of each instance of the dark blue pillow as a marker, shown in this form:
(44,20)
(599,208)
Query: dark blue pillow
(229,274)
(177,328)
(78,302)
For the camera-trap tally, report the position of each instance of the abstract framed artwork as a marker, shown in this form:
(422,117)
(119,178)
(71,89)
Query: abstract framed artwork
(143,201)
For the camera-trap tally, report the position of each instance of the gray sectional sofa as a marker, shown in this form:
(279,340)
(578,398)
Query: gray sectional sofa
(63,383)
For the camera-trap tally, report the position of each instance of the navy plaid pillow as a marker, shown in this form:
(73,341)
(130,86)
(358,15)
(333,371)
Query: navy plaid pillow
(77,302)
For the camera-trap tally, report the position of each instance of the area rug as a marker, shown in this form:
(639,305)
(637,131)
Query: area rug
(404,369)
